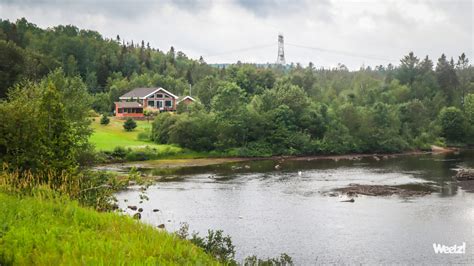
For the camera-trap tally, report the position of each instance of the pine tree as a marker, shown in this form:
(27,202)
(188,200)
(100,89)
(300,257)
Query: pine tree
(447,78)
(104,120)
(129,124)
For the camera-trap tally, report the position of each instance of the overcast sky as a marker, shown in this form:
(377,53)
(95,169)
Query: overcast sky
(325,32)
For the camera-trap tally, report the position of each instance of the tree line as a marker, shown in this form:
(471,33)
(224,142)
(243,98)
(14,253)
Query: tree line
(251,110)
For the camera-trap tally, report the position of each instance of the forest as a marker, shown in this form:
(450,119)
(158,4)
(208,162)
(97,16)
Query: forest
(242,109)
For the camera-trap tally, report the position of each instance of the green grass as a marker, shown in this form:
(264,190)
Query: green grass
(106,138)
(44,231)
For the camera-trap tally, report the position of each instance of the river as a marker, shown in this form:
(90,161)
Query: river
(268,211)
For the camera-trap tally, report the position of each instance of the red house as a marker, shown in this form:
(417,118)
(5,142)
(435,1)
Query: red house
(134,102)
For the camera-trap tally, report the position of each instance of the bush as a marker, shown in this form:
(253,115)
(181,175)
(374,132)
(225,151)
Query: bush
(129,124)
(104,120)
(92,113)
(452,123)
(119,152)
(223,250)
(283,260)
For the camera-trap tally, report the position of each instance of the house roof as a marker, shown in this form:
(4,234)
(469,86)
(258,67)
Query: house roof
(145,92)
(186,97)
(128,104)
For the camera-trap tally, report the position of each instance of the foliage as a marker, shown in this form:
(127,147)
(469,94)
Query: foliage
(51,131)
(221,248)
(216,245)
(452,124)
(104,120)
(244,109)
(283,260)
(129,124)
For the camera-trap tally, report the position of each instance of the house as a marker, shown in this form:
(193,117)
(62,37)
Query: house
(186,100)
(134,102)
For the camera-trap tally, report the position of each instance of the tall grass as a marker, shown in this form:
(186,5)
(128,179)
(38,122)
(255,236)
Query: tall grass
(49,229)
(92,189)
(64,182)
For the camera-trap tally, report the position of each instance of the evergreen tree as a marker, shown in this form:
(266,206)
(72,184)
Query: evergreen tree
(129,124)
(104,120)
(447,78)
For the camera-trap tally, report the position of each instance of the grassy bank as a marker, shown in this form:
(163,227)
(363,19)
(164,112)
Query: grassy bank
(108,137)
(43,231)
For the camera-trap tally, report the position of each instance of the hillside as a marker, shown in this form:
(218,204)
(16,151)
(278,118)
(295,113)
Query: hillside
(41,231)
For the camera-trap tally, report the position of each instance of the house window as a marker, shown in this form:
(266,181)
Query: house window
(120,110)
(159,104)
(168,104)
(151,103)
(159,96)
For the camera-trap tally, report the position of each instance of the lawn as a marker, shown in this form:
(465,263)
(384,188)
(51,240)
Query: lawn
(107,137)
(51,231)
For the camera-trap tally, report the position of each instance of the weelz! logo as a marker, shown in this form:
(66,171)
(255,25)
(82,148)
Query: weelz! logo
(455,249)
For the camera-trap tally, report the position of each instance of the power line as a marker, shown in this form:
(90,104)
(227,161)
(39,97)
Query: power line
(342,52)
(240,50)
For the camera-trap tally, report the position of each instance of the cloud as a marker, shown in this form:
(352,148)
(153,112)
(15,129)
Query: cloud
(350,32)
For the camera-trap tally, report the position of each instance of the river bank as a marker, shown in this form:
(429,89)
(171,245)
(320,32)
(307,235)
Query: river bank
(124,167)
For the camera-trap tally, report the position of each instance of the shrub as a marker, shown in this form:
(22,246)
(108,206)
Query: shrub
(119,152)
(129,124)
(283,260)
(92,113)
(452,123)
(104,120)
(214,244)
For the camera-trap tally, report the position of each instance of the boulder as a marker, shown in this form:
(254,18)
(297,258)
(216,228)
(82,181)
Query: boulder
(161,226)
(465,174)
(137,216)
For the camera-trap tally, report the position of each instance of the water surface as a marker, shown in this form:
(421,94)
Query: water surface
(269,211)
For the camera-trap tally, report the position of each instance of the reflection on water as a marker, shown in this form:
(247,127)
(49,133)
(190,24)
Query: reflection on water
(269,211)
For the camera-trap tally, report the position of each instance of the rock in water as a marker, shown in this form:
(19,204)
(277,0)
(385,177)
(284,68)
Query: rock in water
(161,226)
(156,210)
(140,209)
(351,200)
(465,174)
(137,216)
(133,208)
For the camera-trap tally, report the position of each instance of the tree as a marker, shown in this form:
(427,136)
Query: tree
(129,124)
(447,78)
(452,123)
(469,112)
(45,134)
(408,69)
(104,120)
(463,70)
(11,67)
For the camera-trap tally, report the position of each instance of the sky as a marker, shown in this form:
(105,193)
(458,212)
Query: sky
(325,32)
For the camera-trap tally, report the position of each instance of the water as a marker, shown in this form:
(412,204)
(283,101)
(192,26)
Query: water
(268,211)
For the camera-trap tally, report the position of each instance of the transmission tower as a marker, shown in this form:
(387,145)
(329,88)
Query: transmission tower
(281,51)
